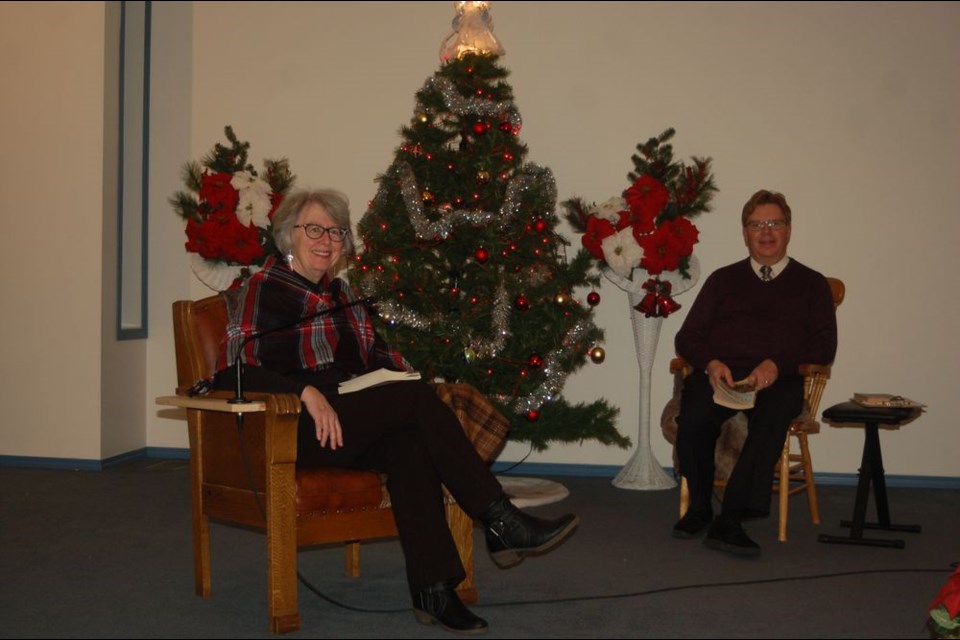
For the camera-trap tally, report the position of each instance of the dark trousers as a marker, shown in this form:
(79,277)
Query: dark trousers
(751,482)
(406,431)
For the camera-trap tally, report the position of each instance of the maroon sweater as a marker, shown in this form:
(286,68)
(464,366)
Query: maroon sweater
(740,320)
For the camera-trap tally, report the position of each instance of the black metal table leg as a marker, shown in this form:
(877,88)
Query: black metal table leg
(871,471)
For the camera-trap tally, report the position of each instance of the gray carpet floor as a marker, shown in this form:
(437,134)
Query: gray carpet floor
(109,555)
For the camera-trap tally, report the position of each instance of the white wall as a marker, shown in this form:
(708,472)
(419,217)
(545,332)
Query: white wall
(51,170)
(847,108)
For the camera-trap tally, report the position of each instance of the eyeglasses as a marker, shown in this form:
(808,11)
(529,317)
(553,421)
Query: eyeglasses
(760,225)
(315,232)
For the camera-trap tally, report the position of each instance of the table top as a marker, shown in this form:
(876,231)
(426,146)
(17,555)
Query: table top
(853,414)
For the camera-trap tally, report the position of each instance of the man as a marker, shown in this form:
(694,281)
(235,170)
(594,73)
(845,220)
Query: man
(757,319)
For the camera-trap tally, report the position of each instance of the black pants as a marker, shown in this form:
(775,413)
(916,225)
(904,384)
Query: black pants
(406,431)
(751,482)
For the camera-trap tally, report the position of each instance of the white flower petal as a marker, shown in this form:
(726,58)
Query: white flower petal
(609,209)
(254,206)
(622,252)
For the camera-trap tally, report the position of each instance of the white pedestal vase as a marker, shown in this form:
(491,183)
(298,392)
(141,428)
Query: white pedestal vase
(642,471)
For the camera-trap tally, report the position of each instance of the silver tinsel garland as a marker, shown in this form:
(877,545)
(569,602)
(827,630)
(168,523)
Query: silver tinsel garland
(473,106)
(526,177)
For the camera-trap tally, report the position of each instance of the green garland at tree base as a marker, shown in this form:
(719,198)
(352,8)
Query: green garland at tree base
(559,421)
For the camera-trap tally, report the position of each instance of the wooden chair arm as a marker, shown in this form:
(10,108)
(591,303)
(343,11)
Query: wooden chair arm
(815,369)
(681,366)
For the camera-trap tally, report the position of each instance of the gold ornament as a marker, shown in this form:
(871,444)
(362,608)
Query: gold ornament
(598,355)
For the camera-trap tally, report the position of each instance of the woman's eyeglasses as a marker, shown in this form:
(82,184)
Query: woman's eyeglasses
(315,232)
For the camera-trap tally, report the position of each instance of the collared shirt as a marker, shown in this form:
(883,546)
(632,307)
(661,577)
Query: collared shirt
(775,269)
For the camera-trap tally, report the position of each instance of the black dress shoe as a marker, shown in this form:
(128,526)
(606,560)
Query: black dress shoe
(512,534)
(692,524)
(440,603)
(727,535)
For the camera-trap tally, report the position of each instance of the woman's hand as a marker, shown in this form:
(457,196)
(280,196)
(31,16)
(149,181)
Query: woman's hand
(324,417)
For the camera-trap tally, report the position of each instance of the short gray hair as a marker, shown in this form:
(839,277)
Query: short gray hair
(334,202)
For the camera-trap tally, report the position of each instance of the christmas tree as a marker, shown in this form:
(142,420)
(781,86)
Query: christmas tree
(460,248)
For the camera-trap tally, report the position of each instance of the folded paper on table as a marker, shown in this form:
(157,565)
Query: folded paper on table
(884,400)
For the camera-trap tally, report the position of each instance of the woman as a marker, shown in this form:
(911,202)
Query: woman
(401,429)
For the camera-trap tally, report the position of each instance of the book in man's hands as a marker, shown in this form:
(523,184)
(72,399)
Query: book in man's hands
(376,378)
(884,400)
(740,396)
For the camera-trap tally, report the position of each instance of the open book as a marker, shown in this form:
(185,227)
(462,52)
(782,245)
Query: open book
(740,396)
(376,378)
(884,400)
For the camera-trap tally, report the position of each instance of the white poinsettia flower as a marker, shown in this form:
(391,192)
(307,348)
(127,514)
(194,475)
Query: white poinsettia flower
(610,209)
(254,205)
(622,252)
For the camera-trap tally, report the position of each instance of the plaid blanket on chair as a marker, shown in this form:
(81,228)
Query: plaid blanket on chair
(484,425)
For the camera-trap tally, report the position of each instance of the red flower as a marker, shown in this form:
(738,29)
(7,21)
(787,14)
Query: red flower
(204,239)
(950,595)
(642,223)
(659,253)
(597,230)
(682,234)
(240,243)
(647,196)
(218,193)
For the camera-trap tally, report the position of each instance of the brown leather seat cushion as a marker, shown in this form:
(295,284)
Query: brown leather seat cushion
(336,490)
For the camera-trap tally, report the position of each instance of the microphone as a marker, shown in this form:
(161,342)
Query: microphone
(239,398)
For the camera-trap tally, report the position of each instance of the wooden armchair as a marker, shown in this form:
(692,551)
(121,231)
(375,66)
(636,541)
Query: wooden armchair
(303,507)
(794,472)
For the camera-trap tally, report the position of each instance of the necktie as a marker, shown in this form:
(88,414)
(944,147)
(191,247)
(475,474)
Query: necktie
(766,273)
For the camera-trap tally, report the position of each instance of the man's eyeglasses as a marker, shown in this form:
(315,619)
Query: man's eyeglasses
(315,232)
(760,225)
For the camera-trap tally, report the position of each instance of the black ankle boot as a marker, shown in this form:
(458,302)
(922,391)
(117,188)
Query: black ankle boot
(440,603)
(512,534)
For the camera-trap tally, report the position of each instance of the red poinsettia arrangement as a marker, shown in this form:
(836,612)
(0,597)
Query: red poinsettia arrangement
(945,609)
(228,210)
(647,231)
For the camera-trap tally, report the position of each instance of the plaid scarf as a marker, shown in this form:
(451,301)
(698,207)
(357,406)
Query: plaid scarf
(277,296)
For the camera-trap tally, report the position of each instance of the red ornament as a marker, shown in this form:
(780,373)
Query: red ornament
(533,415)
(540,226)
(480,128)
(521,302)
(482,255)
(506,127)
(593,298)
(535,361)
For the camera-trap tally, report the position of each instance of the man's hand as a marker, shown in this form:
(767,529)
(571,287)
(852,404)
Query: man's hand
(764,375)
(718,371)
(324,417)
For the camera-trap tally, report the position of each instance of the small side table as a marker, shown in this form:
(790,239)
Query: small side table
(851,414)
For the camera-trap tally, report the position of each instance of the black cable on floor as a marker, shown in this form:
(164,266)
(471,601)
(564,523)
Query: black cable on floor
(635,594)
